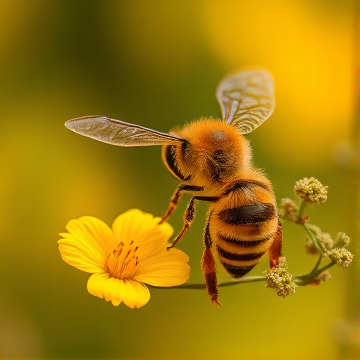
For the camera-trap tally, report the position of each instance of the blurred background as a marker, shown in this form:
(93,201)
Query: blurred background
(157,64)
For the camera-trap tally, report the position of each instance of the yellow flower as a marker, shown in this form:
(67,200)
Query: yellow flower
(124,258)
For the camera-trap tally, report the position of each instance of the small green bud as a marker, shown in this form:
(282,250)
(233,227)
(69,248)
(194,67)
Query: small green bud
(315,229)
(324,276)
(279,279)
(342,240)
(326,241)
(311,190)
(310,248)
(289,209)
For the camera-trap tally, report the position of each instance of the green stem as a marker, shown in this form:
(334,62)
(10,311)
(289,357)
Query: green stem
(245,280)
(299,280)
(317,264)
(301,210)
(311,277)
(313,238)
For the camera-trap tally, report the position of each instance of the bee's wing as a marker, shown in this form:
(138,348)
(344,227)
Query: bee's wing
(120,133)
(246,97)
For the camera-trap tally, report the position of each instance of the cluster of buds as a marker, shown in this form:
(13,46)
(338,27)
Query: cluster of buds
(311,190)
(342,240)
(340,256)
(289,209)
(335,250)
(338,253)
(279,279)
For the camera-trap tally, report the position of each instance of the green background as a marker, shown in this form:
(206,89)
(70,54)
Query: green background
(157,63)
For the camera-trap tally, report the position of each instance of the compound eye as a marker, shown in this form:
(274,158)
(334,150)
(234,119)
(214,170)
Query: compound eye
(171,161)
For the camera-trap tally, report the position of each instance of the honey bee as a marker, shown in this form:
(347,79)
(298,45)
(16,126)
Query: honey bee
(212,160)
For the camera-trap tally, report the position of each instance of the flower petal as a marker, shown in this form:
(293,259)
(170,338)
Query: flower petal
(105,287)
(96,284)
(136,294)
(144,230)
(86,244)
(168,269)
(132,293)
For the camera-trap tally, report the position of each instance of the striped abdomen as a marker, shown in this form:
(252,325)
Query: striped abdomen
(242,224)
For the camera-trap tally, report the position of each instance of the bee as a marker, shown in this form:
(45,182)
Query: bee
(213,162)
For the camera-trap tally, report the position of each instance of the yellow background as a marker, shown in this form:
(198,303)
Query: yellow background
(157,63)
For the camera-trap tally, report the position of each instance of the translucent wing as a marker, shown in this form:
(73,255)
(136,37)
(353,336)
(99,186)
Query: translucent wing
(246,97)
(120,133)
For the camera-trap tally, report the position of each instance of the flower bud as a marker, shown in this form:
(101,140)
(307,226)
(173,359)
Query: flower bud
(324,276)
(279,279)
(342,240)
(289,209)
(326,241)
(340,256)
(310,248)
(311,190)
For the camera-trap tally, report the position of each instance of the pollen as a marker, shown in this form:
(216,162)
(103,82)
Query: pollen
(123,261)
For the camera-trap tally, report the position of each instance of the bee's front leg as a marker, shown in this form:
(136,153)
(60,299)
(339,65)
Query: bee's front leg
(173,203)
(188,219)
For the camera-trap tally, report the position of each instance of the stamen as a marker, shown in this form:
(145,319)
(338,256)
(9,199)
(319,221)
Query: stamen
(122,264)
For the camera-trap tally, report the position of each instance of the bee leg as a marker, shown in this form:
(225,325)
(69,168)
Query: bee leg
(208,267)
(275,248)
(173,203)
(188,219)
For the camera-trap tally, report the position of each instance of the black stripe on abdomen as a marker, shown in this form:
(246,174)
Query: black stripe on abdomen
(248,214)
(238,257)
(237,271)
(242,243)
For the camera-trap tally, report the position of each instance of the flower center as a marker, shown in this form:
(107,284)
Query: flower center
(122,262)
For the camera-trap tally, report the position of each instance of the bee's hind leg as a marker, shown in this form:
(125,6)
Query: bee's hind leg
(208,267)
(275,248)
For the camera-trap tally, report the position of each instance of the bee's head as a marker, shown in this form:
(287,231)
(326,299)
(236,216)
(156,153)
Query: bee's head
(211,148)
